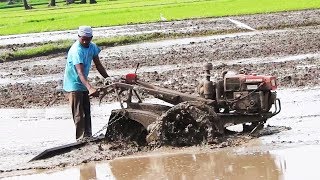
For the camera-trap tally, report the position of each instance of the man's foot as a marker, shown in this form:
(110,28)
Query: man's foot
(85,139)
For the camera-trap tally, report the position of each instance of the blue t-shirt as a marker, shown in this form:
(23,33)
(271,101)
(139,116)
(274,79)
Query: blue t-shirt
(78,55)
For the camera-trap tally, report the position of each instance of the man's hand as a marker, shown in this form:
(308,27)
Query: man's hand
(93,92)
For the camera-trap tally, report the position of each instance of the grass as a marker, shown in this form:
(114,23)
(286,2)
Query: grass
(16,20)
(41,50)
(63,46)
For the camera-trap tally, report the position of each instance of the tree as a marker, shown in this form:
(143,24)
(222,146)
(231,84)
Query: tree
(81,2)
(26,5)
(69,1)
(52,3)
(91,1)
(10,2)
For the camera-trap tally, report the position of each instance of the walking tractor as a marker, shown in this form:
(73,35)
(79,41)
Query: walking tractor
(233,98)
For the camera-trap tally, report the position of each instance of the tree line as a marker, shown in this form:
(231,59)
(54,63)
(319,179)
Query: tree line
(52,3)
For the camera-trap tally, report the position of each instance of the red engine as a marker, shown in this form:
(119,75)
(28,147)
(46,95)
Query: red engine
(242,93)
(249,82)
(248,93)
(131,78)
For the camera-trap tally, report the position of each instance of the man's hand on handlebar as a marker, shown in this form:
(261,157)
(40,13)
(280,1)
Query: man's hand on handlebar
(93,92)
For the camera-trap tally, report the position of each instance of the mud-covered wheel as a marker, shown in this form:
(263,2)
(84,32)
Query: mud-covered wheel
(122,129)
(190,123)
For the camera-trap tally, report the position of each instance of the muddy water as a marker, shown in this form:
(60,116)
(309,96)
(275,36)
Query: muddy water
(24,133)
(272,165)
(301,112)
(233,164)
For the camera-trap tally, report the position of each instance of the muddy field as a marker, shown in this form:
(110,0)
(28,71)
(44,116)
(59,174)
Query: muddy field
(284,44)
(288,49)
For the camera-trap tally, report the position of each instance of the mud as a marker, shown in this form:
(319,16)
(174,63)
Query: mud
(103,151)
(179,125)
(27,132)
(290,53)
(224,163)
(285,45)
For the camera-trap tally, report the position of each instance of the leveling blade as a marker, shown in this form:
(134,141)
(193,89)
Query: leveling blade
(48,153)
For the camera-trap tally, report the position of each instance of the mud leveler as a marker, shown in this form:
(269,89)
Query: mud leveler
(231,99)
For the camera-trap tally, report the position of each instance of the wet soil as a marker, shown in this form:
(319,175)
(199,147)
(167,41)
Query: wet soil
(34,130)
(285,45)
(102,151)
(286,50)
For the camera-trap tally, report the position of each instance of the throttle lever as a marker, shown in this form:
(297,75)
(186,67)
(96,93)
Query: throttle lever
(137,68)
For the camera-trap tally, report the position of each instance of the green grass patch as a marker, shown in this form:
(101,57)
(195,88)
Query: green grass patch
(121,40)
(40,50)
(16,20)
(63,46)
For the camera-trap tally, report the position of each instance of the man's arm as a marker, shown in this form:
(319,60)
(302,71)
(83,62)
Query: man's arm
(100,67)
(83,79)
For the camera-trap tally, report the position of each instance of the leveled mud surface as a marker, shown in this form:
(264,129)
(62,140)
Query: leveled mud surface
(285,45)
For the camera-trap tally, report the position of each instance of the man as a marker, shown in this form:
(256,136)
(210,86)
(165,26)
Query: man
(76,83)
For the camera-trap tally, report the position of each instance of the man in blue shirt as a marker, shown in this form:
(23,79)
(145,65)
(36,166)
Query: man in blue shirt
(76,83)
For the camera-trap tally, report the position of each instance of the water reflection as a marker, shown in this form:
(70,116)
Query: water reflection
(218,165)
(285,164)
(87,172)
